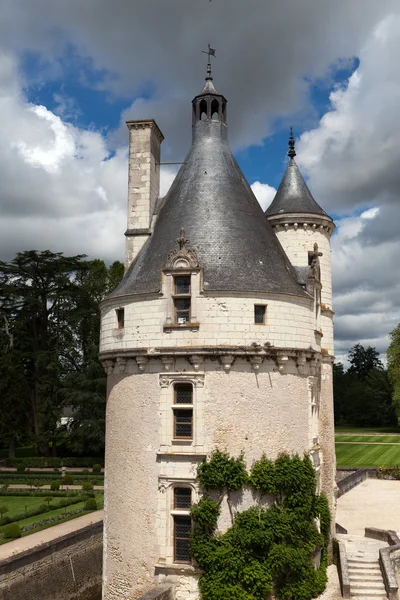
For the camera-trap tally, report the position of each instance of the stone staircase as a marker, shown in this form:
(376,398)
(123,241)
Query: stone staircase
(366,582)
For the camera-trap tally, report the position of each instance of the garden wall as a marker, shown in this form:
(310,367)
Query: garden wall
(67,568)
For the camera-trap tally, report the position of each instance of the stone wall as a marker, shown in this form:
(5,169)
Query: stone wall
(222,320)
(67,568)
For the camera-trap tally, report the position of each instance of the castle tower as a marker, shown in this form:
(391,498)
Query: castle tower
(304,230)
(209,342)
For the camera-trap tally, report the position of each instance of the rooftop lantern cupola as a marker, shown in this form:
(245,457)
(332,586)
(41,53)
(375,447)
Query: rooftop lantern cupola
(209,105)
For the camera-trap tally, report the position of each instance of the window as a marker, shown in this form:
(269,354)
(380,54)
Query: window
(182,299)
(259,314)
(183,393)
(183,424)
(183,417)
(120,318)
(182,498)
(182,532)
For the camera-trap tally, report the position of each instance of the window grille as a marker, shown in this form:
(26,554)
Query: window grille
(182,532)
(182,310)
(183,393)
(182,498)
(182,299)
(259,314)
(183,424)
(182,285)
(120,317)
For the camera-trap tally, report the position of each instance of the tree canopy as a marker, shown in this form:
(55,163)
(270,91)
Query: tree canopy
(49,333)
(363,393)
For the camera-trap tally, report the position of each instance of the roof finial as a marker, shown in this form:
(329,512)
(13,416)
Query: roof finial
(210,52)
(292,151)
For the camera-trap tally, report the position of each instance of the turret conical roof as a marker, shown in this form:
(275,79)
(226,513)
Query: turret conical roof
(293,195)
(211,199)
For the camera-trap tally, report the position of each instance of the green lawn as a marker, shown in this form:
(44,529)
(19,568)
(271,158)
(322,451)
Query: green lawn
(369,439)
(351,429)
(367,455)
(16,504)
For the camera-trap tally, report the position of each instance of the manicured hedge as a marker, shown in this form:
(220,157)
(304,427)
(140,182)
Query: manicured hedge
(49,476)
(41,509)
(36,493)
(51,461)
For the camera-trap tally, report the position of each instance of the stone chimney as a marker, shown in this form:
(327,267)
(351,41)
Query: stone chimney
(143,185)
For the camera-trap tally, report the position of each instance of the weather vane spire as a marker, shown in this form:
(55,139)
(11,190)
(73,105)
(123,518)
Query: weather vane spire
(210,52)
(292,151)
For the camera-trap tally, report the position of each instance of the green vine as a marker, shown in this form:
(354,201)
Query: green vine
(267,549)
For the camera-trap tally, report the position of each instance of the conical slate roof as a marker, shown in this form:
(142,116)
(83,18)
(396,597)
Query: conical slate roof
(211,199)
(293,195)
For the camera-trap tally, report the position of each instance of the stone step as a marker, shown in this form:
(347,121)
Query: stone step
(368,585)
(362,559)
(354,579)
(361,593)
(357,576)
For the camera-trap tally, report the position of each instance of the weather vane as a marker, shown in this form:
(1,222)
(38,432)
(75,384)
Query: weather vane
(210,52)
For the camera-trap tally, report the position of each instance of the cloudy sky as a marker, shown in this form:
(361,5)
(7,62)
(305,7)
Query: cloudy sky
(72,72)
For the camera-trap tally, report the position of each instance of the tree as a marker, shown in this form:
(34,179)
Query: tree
(49,336)
(36,293)
(393,358)
(363,393)
(84,388)
(363,360)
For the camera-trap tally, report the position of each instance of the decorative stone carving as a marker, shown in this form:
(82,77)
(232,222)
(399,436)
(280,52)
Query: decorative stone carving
(227,362)
(283,361)
(120,366)
(108,366)
(196,379)
(182,257)
(315,269)
(255,363)
(301,364)
(142,362)
(164,382)
(168,362)
(197,362)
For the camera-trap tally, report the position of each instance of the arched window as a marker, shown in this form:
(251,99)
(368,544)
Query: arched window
(224,112)
(215,110)
(203,110)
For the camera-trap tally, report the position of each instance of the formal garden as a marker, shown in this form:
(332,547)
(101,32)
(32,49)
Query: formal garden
(33,498)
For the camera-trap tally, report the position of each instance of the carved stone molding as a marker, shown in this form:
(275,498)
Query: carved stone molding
(255,362)
(283,362)
(227,361)
(120,367)
(108,366)
(182,257)
(168,362)
(168,379)
(197,362)
(142,362)
(301,364)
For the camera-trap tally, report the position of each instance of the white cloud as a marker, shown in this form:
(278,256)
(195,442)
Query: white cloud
(264,193)
(61,188)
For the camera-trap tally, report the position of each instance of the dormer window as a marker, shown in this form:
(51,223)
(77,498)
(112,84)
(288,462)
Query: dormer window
(182,299)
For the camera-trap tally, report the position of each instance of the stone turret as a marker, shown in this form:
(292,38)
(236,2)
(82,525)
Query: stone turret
(304,230)
(209,342)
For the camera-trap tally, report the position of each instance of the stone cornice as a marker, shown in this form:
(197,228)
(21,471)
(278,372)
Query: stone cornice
(146,124)
(135,360)
(302,221)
